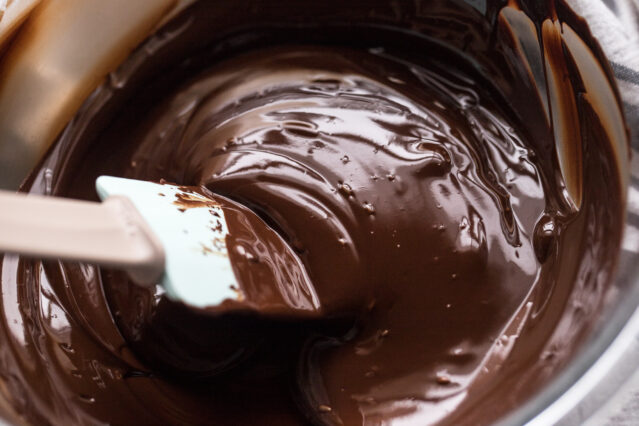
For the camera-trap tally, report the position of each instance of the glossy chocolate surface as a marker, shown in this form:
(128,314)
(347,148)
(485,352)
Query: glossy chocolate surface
(413,155)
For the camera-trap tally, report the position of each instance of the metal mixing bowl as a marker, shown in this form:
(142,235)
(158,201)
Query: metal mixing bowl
(596,375)
(600,382)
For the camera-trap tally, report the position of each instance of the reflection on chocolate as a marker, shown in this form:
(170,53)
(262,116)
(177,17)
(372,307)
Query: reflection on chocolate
(457,259)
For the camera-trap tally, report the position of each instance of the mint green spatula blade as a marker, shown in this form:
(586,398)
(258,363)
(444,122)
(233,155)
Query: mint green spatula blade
(197,270)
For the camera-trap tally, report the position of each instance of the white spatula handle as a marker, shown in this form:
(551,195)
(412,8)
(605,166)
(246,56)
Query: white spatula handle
(111,233)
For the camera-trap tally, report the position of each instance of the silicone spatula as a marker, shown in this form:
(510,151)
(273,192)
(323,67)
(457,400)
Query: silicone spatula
(139,228)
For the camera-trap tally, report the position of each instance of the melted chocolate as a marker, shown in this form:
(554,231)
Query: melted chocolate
(456,256)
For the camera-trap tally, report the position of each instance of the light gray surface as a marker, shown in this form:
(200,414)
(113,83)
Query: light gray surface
(623,408)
